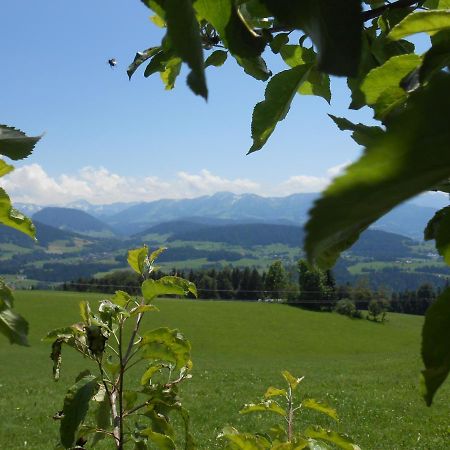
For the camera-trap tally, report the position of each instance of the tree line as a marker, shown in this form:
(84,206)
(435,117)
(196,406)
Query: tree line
(296,285)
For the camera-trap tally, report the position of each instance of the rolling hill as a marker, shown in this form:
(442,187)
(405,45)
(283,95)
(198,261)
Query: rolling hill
(73,220)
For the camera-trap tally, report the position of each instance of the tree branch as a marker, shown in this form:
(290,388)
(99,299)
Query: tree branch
(373,13)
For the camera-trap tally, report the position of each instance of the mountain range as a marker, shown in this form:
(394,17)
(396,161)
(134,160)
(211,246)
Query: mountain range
(408,219)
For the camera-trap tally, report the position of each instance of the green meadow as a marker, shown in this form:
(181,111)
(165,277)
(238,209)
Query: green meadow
(369,372)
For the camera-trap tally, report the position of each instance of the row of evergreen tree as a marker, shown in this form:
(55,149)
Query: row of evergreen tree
(299,285)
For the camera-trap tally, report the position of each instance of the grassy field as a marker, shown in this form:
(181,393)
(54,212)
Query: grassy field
(369,372)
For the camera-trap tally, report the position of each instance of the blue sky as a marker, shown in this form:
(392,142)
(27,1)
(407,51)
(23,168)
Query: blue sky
(109,139)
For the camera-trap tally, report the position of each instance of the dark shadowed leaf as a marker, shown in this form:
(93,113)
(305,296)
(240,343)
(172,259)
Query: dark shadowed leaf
(14,327)
(184,33)
(411,157)
(435,345)
(216,58)
(15,144)
(256,67)
(438,228)
(76,405)
(362,134)
(223,16)
(335,27)
(140,58)
(437,57)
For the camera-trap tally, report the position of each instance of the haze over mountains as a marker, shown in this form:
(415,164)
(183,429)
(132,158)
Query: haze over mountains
(222,208)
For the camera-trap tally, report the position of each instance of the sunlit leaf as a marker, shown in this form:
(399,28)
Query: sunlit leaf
(166,345)
(266,406)
(381,86)
(171,71)
(162,441)
(310,403)
(244,441)
(169,285)
(280,91)
(10,217)
(136,259)
(411,157)
(275,392)
(340,440)
(435,345)
(292,381)
(152,370)
(421,22)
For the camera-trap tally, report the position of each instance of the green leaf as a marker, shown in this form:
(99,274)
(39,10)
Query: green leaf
(310,403)
(435,346)
(335,28)
(85,311)
(278,97)
(5,168)
(216,58)
(317,83)
(244,441)
(275,392)
(256,67)
(340,440)
(411,157)
(421,22)
(154,255)
(438,228)
(166,345)
(122,299)
(437,4)
(146,377)
(279,41)
(171,71)
(102,419)
(437,57)
(266,406)
(381,86)
(169,285)
(6,296)
(143,308)
(140,58)
(184,33)
(161,441)
(362,134)
(76,405)
(223,16)
(15,144)
(14,327)
(136,259)
(10,217)
(292,381)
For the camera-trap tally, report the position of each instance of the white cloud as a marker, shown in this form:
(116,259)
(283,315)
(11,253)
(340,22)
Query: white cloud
(337,170)
(31,184)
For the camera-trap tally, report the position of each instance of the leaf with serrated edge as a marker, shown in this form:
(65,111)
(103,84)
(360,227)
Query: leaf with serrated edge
(310,403)
(15,144)
(421,22)
(435,346)
(280,91)
(362,134)
(411,157)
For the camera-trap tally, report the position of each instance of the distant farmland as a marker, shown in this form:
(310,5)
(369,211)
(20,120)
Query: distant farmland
(369,372)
